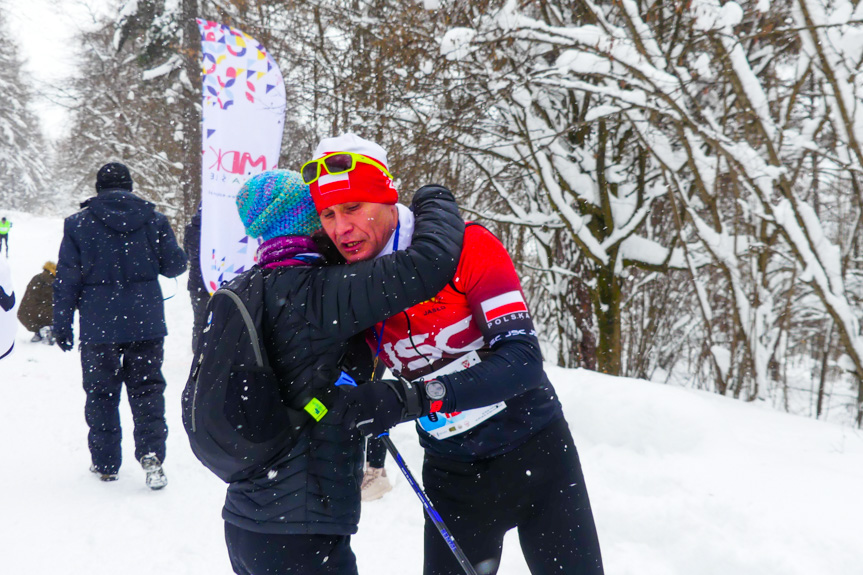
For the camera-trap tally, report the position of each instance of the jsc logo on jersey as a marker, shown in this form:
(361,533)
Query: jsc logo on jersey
(498,307)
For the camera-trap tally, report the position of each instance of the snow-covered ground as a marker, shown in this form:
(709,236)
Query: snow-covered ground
(682,482)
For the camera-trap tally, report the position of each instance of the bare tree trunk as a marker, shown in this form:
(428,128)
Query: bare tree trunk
(190,50)
(859,400)
(823,379)
(583,311)
(607,307)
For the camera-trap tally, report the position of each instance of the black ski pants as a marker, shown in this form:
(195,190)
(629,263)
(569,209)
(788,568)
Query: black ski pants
(537,488)
(200,299)
(376,452)
(4,238)
(255,553)
(106,367)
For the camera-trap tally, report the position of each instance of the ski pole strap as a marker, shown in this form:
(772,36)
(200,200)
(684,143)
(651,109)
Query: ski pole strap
(410,394)
(427,504)
(176,288)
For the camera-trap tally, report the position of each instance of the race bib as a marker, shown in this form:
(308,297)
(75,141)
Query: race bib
(449,424)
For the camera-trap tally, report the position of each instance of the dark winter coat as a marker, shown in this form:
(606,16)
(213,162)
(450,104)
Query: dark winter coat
(112,254)
(310,314)
(37,306)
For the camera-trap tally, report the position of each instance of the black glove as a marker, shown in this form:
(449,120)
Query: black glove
(375,407)
(64,339)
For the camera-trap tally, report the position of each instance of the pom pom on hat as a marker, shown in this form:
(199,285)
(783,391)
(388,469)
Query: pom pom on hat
(365,183)
(277,203)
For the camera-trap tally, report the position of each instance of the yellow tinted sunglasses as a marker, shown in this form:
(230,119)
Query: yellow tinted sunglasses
(338,163)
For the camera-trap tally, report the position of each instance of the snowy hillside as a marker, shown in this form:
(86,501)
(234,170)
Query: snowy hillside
(682,482)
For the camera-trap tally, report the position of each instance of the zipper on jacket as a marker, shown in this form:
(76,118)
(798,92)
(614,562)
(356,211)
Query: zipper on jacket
(195,391)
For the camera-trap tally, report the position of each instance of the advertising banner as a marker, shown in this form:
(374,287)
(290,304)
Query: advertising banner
(244,115)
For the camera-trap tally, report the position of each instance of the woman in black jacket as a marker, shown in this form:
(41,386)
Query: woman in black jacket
(296,513)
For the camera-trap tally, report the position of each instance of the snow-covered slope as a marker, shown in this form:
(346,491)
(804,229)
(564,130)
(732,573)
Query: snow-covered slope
(682,482)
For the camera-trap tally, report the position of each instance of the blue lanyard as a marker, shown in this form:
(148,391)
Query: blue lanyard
(380,338)
(396,237)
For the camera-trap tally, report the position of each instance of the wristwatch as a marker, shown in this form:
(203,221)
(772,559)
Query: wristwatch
(435,390)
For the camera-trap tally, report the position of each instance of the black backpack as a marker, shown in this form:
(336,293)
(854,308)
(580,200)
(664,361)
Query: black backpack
(232,406)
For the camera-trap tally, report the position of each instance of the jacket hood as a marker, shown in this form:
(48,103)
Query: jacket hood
(120,210)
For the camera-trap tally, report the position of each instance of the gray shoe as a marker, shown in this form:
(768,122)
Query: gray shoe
(155,475)
(47,335)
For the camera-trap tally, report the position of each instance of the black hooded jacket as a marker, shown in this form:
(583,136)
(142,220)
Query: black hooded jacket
(111,256)
(311,314)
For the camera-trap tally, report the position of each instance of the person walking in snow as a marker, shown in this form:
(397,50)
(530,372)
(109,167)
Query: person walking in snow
(5,226)
(7,319)
(296,512)
(498,452)
(111,256)
(36,311)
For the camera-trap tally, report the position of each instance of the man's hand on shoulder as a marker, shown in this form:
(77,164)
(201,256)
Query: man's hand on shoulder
(432,192)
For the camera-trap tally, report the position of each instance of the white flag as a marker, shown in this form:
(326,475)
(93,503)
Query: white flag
(244,115)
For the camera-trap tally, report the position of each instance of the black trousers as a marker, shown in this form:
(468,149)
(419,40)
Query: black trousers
(106,367)
(254,553)
(200,299)
(538,488)
(4,238)
(376,452)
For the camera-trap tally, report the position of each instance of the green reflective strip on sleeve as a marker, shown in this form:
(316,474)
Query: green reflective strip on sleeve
(316,409)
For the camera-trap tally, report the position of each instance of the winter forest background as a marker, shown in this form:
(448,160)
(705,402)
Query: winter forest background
(680,183)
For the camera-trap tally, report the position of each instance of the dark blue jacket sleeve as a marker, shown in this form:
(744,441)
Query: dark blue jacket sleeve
(172,258)
(511,358)
(514,368)
(67,285)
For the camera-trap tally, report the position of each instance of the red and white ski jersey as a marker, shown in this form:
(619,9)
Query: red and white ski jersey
(482,304)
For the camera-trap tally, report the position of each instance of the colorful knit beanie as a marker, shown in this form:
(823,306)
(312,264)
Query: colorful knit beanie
(365,183)
(277,203)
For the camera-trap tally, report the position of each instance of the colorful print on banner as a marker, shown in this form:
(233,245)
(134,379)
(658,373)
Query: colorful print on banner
(234,65)
(243,106)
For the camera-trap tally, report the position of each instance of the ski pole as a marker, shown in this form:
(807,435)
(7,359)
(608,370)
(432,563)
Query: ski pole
(432,513)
